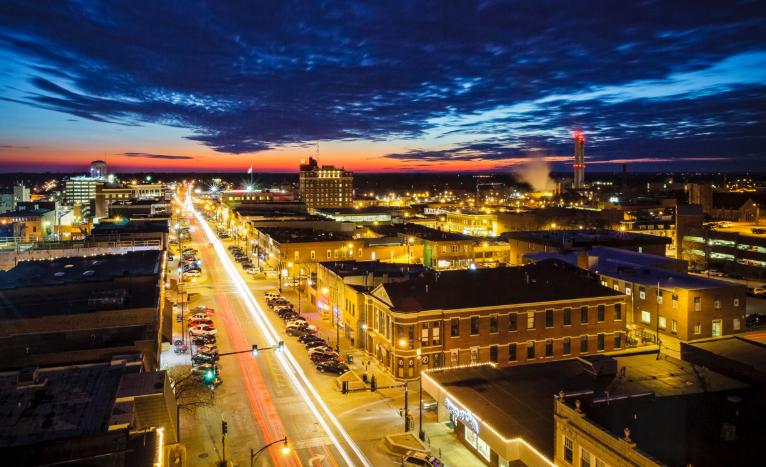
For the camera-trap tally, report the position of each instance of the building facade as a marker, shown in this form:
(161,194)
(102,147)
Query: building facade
(326,186)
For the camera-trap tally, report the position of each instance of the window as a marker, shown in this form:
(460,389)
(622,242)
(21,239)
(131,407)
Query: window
(617,340)
(736,302)
(493,323)
(736,324)
(583,344)
(454,327)
(470,437)
(474,325)
(642,293)
(567,316)
(628,291)
(585,458)
(424,336)
(568,456)
(530,320)
(617,311)
(697,328)
(512,352)
(548,318)
(483,448)
(674,327)
(493,353)
(646,317)
(297,254)
(329,254)
(674,301)
(583,314)
(549,347)
(601,313)
(717,302)
(659,296)
(663,322)
(313,255)
(512,324)
(697,303)
(600,342)
(567,346)
(530,350)
(436,333)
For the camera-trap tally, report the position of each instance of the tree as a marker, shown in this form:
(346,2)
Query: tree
(191,392)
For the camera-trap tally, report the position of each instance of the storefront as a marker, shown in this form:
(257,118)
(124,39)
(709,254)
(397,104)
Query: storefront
(472,423)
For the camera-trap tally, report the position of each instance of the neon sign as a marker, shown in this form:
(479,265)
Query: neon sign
(462,414)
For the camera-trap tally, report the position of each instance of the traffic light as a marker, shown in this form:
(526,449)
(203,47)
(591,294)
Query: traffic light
(224,427)
(373,384)
(210,376)
(255,350)
(280,346)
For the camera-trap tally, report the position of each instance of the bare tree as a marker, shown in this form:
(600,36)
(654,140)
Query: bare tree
(191,393)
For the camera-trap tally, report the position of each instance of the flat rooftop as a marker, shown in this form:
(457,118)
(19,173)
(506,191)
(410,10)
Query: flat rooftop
(294,235)
(653,276)
(66,402)
(518,400)
(545,281)
(80,284)
(744,229)
(117,228)
(586,238)
(749,353)
(358,268)
(419,231)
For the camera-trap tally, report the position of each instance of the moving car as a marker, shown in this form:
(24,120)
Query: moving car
(332,366)
(202,331)
(420,459)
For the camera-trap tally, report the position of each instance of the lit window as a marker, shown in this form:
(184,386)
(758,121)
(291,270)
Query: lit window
(530,320)
(736,324)
(663,323)
(674,327)
(697,303)
(646,317)
(736,302)
(568,449)
(697,328)
(641,293)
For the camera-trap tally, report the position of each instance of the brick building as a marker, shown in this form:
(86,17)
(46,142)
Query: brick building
(534,313)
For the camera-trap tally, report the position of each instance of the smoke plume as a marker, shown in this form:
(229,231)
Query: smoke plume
(536,173)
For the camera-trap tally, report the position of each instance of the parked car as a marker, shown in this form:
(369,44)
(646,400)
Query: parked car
(201,322)
(202,309)
(192,273)
(316,343)
(202,331)
(735,275)
(210,349)
(199,316)
(306,338)
(252,270)
(271,294)
(204,339)
(332,366)
(756,291)
(756,319)
(318,357)
(321,349)
(278,302)
(201,358)
(297,320)
(420,459)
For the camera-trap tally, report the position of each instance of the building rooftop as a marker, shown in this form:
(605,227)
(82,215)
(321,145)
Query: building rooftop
(79,284)
(130,227)
(517,400)
(545,281)
(746,354)
(654,276)
(295,235)
(361,211)
(419,231)
(63,402)
(358,268)
(586,238)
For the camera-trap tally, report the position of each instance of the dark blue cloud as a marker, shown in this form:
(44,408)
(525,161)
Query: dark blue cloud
(144,155)
(248,76)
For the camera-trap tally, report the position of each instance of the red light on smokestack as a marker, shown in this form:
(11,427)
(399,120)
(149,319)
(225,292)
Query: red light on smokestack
(578,136)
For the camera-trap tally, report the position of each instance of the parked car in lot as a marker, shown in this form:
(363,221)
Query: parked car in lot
(420,459)
(755,319)
(202,330)
(332,366)
(318,357)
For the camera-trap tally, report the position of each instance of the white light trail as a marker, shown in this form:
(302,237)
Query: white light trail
(285,358)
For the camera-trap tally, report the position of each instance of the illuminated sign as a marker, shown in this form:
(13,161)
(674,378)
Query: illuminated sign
(462,414)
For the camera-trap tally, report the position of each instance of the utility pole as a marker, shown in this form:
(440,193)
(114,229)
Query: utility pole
(657,297)
(224,430)
(406,409)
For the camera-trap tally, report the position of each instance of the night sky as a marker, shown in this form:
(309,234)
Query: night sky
(381,86)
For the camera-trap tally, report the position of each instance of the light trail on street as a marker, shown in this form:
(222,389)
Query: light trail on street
(300,381)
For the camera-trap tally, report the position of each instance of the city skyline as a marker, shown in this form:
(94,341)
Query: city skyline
(418,87)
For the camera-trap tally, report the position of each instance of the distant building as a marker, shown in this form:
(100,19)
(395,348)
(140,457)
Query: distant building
(95,414)
(81,191)
(32,224)
(430,247)
(739,248)
(579,161)
(98,170)
(326,186)
(701,194)
(553,241)
(21,193)
(535,313)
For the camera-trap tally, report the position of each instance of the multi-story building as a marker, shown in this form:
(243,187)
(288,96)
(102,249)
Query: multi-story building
(534,313)
(432,248)
(108,193)
(738,248)
(81,191)
(547,241)
(326,186)
(343,287)
(31,225)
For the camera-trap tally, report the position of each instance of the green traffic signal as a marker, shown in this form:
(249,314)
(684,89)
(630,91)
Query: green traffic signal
(209,376)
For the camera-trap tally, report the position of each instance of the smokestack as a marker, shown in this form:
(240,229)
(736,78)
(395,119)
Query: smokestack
(579,160)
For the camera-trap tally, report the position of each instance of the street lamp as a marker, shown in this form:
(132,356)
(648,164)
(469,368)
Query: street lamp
(285,449)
